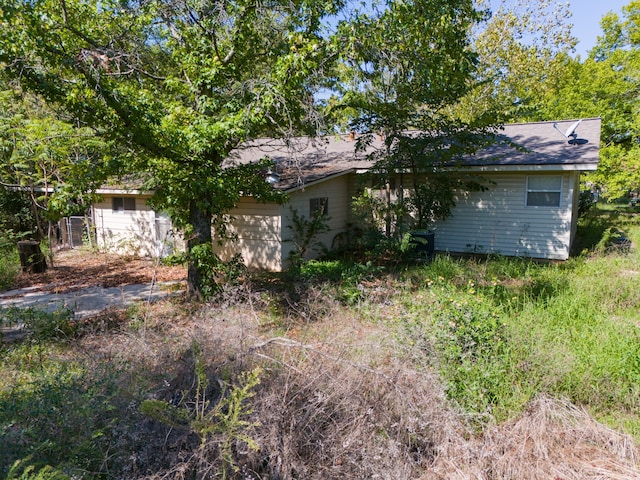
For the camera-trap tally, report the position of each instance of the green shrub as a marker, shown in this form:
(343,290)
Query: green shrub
(9,262)
(39,324)
(475,356)
(24,470)
(215,274)
(60,414)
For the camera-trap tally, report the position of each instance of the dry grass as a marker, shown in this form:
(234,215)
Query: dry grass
(336,402)
(553,439)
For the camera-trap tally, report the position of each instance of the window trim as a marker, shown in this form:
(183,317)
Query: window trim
(127,204)
(316,203)
(529,190)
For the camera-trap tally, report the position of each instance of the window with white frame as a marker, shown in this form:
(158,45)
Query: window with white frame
(544,190)
(123,204)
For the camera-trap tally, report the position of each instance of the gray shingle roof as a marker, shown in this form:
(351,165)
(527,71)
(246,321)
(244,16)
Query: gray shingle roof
(302,161)
(545,145)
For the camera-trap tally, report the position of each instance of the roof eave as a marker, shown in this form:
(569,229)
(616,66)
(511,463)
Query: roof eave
(579,167)
(319,180)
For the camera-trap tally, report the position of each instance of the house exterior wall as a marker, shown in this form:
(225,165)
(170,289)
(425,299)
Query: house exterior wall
(130,232)
(499,220)
(336,191)
(263,232)
(258,235)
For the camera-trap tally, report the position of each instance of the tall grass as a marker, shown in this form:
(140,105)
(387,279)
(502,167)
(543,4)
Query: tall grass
(459,368)
(506,330)
(9,264)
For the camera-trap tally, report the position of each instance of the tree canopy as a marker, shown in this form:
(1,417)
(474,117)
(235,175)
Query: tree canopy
(527,73)
(177,85)
(402,70)
(46,159)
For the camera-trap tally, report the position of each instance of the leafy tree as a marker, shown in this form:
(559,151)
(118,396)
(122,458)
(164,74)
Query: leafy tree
(607,85)
(178,84)
(404,68)
(53,164)
(523,51)
(527,74)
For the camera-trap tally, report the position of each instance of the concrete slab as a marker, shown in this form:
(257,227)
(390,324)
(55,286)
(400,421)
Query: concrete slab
(87,301)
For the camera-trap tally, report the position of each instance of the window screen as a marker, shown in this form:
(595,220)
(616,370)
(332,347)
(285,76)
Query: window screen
(544,191)
(318,207)
(122,204)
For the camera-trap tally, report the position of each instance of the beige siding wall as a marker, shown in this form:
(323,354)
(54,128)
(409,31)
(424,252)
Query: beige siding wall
(257,228)
(263,233)
(337,191)
(128,232)
(498,221)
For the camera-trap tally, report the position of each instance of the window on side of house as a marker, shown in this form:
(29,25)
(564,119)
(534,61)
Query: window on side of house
(544,190)
(123,204)
(318,207)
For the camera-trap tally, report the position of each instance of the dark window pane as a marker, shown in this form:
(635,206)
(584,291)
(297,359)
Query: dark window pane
(118,204)
(122,204)
(129,203)
(319,206)
(543,199)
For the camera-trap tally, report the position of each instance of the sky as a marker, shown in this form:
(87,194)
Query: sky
(586,20)
(586,16)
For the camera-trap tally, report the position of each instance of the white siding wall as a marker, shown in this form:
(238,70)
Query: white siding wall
(128,232)
(257,227)
(498,221)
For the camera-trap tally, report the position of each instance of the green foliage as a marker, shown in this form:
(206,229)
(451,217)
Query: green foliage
(9,260)
(404,69)
(41,326)
(504,330)
(474,354)
(222,422)
(23,470)
(523,51)
(463,334)
(304,236)
(50,168)
(215,274)
(55,416)
(586,202)
(16,217)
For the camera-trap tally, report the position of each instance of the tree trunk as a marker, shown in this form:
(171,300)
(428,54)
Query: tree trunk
(31,258)
(201,222)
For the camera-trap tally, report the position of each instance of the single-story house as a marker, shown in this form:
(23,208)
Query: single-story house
(125,223)
(530,207)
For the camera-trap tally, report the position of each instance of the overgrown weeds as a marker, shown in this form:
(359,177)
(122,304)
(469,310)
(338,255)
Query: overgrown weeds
(9,262)
(458,368)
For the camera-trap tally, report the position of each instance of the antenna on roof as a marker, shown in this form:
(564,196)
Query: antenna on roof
(571,132)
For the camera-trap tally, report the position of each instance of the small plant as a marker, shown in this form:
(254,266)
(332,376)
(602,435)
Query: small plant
(305,231)
(216,274)
(23,470)
(41,325)
(9,260)
(221,421)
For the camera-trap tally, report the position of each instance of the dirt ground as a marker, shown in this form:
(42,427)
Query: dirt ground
(76,269)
